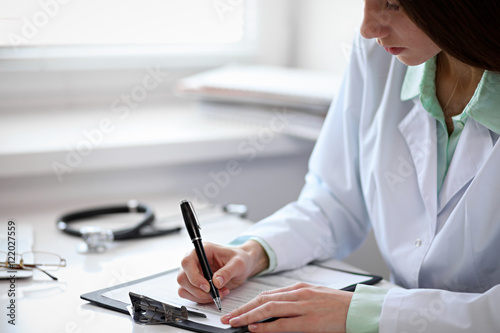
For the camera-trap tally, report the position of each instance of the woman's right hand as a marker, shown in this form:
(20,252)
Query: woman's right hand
(231,267)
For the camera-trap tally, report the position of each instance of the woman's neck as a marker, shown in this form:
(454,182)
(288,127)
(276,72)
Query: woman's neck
(456,83)
(467,76)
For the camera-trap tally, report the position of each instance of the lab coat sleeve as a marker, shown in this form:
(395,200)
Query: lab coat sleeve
(436,311)
(329,219)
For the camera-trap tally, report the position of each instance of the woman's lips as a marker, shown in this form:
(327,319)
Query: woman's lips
(394,50)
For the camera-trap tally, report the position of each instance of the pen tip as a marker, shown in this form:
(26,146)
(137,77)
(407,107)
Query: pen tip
(218,303)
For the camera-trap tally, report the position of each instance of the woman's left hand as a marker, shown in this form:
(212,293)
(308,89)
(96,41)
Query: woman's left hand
(299,308)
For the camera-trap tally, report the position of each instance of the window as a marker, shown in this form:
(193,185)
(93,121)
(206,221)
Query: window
(76,53)
(44,29)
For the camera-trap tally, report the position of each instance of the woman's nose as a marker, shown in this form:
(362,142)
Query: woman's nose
(376,20)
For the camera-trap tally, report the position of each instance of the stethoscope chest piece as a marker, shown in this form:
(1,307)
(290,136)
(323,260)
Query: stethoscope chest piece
(95,239)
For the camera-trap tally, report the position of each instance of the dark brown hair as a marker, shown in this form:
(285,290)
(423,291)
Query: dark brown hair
(468,30)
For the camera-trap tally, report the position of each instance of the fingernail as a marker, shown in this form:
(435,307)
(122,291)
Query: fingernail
(252,327)
(234,321)
(225,318)
(205,287)
(225,292)
(221,281)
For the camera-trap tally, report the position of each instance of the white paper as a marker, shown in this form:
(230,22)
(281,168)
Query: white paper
(164,289)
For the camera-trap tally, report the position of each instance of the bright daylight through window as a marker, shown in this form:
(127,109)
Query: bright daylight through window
(172,23)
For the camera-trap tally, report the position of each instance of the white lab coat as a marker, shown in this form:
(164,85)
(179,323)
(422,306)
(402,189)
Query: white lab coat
(374,165)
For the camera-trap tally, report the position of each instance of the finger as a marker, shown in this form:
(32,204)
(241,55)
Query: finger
(191,269)
(187,294)
(203,298)
(290,288)
(232,268)
(192,293)
(269,310)
(259,301)
(296,324)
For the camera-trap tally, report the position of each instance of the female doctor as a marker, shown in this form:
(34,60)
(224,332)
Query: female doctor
(409,149)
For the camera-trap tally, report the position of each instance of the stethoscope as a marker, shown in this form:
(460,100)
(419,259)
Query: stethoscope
(95,238)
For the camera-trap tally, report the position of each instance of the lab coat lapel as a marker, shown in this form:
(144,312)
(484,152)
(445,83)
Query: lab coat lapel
(474,146)
(419,131)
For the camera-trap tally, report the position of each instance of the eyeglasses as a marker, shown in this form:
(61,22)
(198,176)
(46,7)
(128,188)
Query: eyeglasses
(43,261)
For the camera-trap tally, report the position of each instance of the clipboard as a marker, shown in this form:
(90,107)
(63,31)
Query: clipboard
(96,297)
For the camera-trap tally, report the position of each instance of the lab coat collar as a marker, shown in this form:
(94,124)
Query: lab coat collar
(473,148)
(419,131)
(475,143)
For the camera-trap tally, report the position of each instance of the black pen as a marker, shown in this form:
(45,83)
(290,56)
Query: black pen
(193,228)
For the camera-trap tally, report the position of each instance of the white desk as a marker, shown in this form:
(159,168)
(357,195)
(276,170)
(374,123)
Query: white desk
(43,305)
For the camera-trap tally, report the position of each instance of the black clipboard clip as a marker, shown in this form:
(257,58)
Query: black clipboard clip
(148,311)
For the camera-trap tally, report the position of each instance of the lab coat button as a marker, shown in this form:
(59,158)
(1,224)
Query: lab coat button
(418,242)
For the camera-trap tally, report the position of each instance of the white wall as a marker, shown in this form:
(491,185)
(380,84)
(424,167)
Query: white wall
(324,33)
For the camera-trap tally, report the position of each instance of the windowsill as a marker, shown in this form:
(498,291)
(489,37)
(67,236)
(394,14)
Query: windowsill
(43,143)
(84,59)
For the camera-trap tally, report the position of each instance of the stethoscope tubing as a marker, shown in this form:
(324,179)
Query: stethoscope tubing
(143,229)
